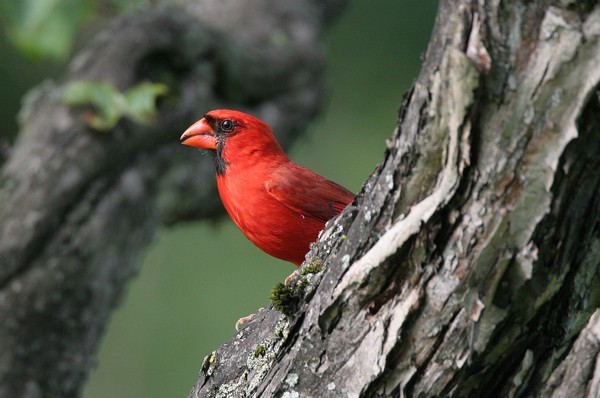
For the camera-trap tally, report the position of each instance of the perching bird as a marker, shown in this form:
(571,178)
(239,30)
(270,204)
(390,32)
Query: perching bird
(279,205)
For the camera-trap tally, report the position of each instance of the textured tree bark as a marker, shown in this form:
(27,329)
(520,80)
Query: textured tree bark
(468,266)
(78,206)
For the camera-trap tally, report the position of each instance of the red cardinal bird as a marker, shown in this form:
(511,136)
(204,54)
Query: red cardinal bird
(278,205)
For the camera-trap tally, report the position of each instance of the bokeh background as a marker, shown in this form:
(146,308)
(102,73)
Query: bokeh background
(197,279)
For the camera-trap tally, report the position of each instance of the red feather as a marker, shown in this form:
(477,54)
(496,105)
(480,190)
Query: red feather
(279,205)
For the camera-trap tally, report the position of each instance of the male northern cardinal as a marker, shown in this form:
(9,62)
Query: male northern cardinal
(279,205)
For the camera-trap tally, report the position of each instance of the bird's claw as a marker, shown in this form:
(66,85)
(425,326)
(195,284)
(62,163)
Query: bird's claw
(245,319)
(290,277)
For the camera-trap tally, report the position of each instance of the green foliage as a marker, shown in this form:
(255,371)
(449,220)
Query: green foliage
(44,28)
(138,103)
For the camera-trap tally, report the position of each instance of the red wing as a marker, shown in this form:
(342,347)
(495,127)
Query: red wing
(307,193)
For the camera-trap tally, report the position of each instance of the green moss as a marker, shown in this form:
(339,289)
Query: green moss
(259,351)
(300,287)
(285,298)
(313,268)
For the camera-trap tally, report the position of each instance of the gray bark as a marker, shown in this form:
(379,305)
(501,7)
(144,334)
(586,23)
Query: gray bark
(468,264)
(78,206)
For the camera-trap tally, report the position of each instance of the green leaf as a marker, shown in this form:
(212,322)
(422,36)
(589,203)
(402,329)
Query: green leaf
(141,101)
(109,105)
(44,28)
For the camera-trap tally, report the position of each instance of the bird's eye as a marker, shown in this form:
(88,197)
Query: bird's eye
(226,125)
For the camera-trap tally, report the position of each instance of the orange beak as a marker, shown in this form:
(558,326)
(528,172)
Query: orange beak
(199,135)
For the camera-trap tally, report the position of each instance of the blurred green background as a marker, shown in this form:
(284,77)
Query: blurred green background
(197,280)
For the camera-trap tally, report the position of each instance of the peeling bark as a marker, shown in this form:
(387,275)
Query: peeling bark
(468,264)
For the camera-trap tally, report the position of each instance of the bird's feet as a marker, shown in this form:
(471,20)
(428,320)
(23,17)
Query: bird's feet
(290,277)
(240,324)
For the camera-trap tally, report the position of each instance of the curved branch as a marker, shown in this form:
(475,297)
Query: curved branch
(78,206)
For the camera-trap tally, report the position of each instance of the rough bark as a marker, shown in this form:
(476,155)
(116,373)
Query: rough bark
(78,206)
(468,264)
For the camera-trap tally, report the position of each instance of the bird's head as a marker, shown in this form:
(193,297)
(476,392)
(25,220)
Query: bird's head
(233,135)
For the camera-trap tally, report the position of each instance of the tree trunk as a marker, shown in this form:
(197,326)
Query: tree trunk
(78,206)
(468,264)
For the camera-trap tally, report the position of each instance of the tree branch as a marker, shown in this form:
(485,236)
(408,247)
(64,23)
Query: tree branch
(78,206)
